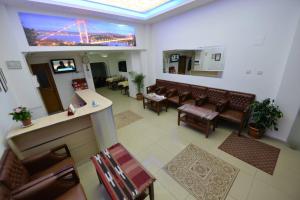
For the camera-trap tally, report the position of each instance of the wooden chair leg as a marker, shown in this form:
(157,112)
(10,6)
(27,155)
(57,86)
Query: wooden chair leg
(151,192)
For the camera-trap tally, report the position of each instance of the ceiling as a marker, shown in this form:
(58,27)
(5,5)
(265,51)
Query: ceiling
(136,10)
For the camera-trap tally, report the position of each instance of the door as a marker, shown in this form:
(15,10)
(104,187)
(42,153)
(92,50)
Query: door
(47,87)
(182,65)
(99,73)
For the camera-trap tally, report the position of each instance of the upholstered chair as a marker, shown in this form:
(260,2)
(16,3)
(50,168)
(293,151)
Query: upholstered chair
(19,175)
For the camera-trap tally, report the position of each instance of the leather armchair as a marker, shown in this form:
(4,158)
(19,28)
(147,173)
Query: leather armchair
(237,108)
(16,174)
(213,99)
(61,185)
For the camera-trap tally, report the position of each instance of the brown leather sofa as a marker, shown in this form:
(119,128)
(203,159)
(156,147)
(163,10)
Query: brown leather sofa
(232,106)
(63,185)
(212,99)
(159,87)
(196,93)
(236,108)
(17,176)
(178,95)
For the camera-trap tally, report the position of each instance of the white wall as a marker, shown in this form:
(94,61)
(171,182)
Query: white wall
(63,81)
(288,97)
(256,35)
(112,61)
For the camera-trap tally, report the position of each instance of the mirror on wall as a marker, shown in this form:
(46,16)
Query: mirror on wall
(207,61)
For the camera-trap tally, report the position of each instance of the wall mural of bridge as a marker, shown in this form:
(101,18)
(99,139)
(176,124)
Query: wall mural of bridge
(45,30)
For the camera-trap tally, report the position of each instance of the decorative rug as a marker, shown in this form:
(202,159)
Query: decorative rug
(251,151)
(205,176)
(125,118)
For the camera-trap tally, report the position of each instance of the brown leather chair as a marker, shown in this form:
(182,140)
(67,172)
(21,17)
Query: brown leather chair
(196,93)
(236,109)
(63,185)
(212,99)
(17,174)
(180,94)
(160,87)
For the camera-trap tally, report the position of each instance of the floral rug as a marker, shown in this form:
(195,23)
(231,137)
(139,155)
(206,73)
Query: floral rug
(205,176)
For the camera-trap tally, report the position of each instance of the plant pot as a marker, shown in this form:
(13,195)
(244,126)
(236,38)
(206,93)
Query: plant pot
(139,96)
(27,122)
(255,132)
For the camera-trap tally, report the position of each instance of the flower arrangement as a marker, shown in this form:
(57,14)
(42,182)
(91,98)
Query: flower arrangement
(21,114)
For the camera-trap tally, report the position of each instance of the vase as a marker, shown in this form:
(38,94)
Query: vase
(139,96)
(255,132)
(27,122)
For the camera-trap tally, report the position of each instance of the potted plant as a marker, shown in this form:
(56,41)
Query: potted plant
(138,80)
(265,115)
(22,114)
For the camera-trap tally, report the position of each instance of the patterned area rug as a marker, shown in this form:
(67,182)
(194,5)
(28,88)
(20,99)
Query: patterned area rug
(125,118)
(253,152)
(205,176)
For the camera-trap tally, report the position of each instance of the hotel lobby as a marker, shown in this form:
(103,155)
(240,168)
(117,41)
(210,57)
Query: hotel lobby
(164,99)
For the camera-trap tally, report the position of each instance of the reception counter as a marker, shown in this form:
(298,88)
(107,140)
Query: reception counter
(90,129)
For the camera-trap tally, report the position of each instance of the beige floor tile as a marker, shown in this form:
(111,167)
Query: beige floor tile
(241,186)
(155,140)
(171,185)
(263,191)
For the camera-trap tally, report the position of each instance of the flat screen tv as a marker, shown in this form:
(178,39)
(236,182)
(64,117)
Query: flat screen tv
(63,65)
(122,66)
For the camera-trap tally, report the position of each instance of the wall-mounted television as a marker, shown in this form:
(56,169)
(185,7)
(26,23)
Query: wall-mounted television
(122,66)
(63,65)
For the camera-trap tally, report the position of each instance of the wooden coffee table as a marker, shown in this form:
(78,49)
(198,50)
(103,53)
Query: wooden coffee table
(197,117)
(155,102)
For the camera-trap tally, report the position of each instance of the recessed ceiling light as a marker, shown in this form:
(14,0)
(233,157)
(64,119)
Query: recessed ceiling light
(134,5)
(139,9)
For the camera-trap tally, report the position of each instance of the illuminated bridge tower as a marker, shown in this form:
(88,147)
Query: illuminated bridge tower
(82,29)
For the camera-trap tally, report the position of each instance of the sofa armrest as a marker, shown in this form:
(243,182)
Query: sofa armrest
(222,104)
(184,96)
(47,187)
(171,93)
(44,160)
(162,90)
(200,100)
(150,88)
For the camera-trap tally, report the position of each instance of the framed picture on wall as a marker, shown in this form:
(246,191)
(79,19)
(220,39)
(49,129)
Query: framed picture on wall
(217,57)
(174,58)
(3,81)
(213,56)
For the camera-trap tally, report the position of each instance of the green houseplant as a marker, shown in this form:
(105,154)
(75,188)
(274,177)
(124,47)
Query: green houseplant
(138,80)
(265,115)
(22,114)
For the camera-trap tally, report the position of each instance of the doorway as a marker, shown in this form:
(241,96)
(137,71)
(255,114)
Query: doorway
(182,65)
(99,72)
(47,87)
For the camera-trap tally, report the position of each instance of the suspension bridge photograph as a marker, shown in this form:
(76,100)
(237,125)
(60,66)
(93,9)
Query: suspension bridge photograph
(45,30)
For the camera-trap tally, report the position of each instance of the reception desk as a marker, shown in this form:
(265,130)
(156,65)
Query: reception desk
(90,129)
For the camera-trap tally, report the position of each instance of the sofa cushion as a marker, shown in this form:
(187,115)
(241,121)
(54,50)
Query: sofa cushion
(174,99)
(13,174)
(232,115)
(240,101)
(189,101)
(66,163)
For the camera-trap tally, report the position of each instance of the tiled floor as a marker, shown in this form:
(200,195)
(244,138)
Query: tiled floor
(155,140)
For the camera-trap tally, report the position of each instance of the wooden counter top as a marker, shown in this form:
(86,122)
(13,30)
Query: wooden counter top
(88,96)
